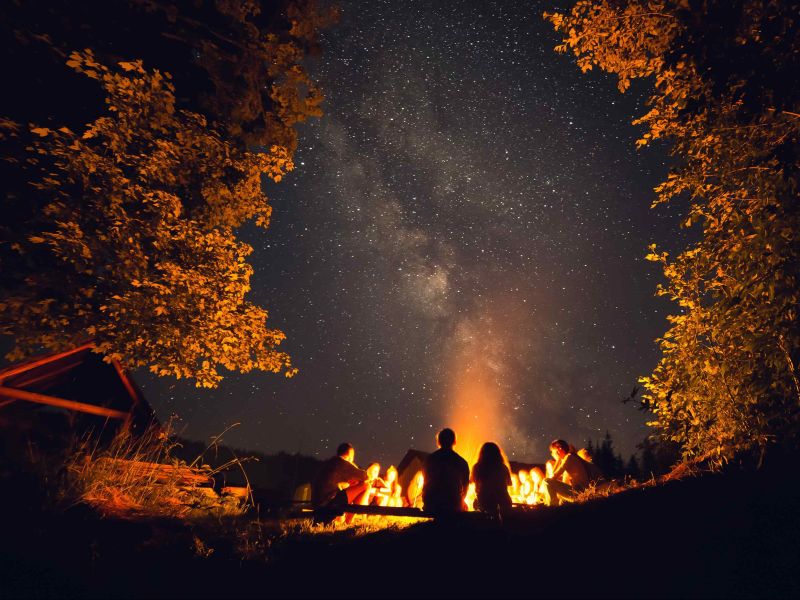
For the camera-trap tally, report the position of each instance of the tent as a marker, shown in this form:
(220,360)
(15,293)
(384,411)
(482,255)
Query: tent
(76,380)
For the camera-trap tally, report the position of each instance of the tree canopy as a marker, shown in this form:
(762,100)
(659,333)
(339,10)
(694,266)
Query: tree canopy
(137,143)
(723,95)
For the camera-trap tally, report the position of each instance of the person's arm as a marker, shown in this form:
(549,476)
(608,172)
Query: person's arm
(560,467)
(353,475)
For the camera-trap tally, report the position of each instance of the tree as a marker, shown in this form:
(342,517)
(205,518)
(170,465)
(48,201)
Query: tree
(604,457)
(632,468)
(723,95)
(123,229)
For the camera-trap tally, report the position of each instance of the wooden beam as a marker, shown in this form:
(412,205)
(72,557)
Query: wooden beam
(126,382)
(25,381)
(387,511)
(42,361)
(61,403)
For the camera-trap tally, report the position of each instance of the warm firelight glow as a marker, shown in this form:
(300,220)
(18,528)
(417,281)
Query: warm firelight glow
(470,498)
(475,414)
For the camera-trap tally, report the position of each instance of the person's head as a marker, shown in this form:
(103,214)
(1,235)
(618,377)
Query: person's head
(346,452)
(585,454)
(559,449)
(446,438)
(490,454)
(373,471)
(391,474)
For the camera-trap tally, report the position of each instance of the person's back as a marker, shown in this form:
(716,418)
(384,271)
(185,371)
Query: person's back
(492,477)
(446,478)
(491,487)
(577,474)
(336,472)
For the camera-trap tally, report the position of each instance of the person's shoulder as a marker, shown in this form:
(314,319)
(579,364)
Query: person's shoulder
(458,459)
(330,461)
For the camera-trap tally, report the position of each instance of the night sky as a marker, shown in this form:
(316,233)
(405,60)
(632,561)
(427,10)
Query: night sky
(461,244)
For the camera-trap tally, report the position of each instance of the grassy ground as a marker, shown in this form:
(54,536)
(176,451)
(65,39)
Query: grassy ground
(733,534)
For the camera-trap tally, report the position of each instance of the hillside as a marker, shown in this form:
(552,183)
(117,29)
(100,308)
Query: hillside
(730,534)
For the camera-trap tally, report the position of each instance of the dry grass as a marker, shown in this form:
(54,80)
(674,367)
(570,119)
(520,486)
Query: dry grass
(680,471)
(138,477)
(263,537)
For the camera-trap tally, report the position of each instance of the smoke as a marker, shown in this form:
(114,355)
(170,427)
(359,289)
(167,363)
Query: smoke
(476,394)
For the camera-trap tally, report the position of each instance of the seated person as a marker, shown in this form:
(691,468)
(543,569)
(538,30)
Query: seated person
(492,478)
(595,473)
(446,478)
(340,481)
(570,475)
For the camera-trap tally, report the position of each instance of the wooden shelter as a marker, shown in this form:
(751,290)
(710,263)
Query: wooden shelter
(412,462)
(76,380)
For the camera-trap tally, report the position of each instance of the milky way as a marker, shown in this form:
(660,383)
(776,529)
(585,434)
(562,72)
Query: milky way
(461,243)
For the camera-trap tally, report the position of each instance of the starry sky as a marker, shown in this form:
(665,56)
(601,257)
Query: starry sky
(461,244)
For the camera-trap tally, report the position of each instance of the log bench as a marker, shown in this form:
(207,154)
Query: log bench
(326,513)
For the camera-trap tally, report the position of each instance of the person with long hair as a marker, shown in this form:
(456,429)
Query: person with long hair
(492,476)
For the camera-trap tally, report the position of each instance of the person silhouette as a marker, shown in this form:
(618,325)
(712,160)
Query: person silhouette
(340,481)
(446,476)
(492,477)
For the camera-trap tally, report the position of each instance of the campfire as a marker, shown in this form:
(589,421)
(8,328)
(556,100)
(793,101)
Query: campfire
(403,488)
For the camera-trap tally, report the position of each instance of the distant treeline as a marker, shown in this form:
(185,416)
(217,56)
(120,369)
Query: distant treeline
(655,458)
(273,475)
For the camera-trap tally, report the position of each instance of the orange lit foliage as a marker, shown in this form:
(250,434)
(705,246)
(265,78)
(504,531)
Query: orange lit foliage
(130,238)
(724,95)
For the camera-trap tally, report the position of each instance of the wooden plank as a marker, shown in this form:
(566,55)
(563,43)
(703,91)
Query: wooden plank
(25,380)
(62,403)
(126,382)
(42,361)
(386,511)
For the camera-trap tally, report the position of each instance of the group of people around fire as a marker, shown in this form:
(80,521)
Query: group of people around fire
(447,486)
